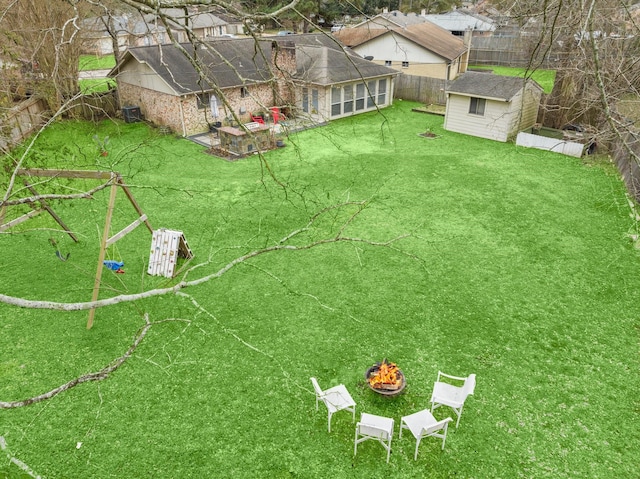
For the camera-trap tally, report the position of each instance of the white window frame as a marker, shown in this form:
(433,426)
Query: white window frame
(477,106)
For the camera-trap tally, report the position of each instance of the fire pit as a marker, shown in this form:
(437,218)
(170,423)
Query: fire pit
(385,378)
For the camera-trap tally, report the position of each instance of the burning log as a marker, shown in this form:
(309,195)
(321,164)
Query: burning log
(386,376)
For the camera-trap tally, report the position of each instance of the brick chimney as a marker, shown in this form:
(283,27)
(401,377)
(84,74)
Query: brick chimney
(283,58)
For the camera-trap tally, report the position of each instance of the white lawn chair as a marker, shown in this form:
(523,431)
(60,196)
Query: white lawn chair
(423,424)
(378,428)
(454,396)
(336,399)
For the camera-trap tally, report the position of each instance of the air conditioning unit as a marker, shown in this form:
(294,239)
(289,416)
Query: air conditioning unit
(131,114)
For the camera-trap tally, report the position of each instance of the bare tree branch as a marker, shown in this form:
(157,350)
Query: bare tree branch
(95,376)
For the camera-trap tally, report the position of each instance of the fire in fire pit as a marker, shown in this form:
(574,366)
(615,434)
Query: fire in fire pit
(385,378)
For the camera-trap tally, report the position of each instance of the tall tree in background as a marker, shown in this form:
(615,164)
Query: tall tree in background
(595,48)
(46,36)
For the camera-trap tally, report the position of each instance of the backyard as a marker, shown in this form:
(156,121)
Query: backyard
(465,256)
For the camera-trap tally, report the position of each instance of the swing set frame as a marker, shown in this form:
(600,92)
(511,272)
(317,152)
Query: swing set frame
(115,181)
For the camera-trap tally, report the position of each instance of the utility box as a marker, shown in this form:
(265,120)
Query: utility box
(131,114)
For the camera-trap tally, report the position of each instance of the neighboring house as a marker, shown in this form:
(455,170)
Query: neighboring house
(301,74)
(234,25)
(491,106)
(134,30)
(419,48)
(463,23)
(96,38)
(130,30)
(203,25)
(394,18)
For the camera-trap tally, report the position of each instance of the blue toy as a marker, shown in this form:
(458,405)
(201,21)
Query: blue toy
(114,265)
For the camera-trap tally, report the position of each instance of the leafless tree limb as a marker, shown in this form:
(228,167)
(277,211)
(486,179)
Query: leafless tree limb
(94,376)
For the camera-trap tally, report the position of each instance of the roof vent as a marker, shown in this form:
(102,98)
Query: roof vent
(369,57)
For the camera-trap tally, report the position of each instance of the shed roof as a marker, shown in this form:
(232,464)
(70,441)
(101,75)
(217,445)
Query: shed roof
(488,85)
(428,35)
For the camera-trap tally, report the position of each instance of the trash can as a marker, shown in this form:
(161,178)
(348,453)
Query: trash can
(131,114)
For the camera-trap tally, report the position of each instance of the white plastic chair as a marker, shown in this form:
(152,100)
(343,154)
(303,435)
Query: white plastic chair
(454,396)
(378,428)
(423,424)
(336,399)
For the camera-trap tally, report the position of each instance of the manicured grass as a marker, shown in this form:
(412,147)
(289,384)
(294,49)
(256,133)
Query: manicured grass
(516,266)
(96,85)
(95,62)
(545,78)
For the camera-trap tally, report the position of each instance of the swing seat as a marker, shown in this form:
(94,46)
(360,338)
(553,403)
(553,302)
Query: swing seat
(113,265)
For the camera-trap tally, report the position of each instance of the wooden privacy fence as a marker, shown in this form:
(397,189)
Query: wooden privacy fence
(509,51)
(629,169)
(95,106)
(422,89)
(21,121)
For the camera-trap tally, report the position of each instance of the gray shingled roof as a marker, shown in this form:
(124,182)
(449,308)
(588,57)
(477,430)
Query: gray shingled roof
(487,85)
(326,66)
(236,62)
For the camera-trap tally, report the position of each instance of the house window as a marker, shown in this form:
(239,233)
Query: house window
(336,101)
(387,63)
(360,96)
(371,97)
(476,106)
(305,100)
(405,64)
(348,99)
(203,100)
(382,92)
(310,102)
(244,92)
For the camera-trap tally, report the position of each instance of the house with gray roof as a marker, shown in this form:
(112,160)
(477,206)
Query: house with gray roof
(491,106)
(463,23)
(413,46)
(228,79)
(202,24)
(128,29)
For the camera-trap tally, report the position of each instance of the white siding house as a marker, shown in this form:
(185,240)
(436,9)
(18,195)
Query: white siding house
(422,49)
(491,106)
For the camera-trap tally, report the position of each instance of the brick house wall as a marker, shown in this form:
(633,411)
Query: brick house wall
(183,114)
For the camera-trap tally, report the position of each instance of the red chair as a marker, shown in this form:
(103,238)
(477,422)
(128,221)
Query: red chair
(275,113)
(257,119)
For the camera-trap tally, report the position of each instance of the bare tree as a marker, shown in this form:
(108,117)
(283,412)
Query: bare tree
(595,48)
(46,37)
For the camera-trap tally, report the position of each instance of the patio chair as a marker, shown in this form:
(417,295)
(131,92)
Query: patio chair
(336,399)
(257,119)
(378,428)
(452,395)
(423,424)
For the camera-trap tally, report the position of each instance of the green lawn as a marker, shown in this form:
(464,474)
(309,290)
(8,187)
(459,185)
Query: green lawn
(96,85)
(95,62)
(515,265)
(545,78)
